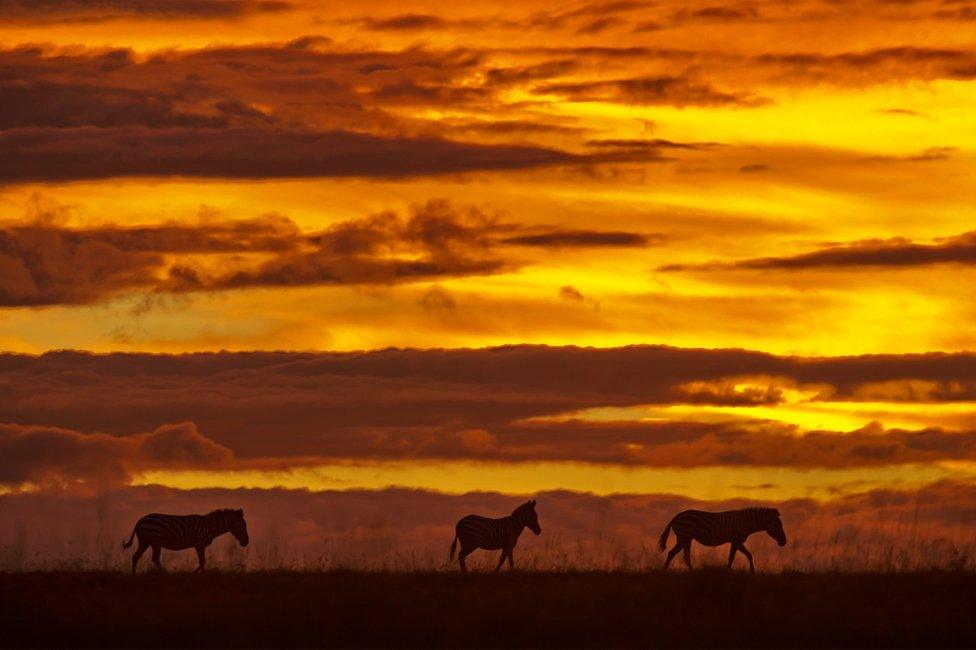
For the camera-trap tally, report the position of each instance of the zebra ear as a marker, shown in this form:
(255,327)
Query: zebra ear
(240,512)
(532,502)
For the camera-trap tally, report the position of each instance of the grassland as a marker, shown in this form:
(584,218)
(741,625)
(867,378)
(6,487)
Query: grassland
(579,610)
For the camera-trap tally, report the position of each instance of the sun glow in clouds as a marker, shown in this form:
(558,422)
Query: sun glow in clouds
(794,180)
(706,483)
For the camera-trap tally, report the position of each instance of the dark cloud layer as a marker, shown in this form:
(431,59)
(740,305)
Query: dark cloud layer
(50,104)
(45,456)
(310,108)
(875,65)
(684,444)
(584,238)
(491,403)
(93,114)
(45,264)
(886,253)
(674,91)
(85,153)
(42,11)
(36,455)
(405,22)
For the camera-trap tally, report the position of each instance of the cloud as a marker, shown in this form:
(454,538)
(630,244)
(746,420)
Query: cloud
(869,67)
(717,13)
(587,18)
(507,127)
(47,264)
(667,90)
(647,26)
(437,299)
(89,154)
(50,104)
(405,22)
(884,253)
(900,111)
(725,78)
(242,112)
(964,13)
(697,444)
(44,456)
(932,154)
(222,85)
(48,456)
(515,75)
(421,403)
(753,168)
(261,94)
(586,238)
(569,292)
(42,266)
(637,144)
(436,241)
(600,25)
(66,11)
(572,294)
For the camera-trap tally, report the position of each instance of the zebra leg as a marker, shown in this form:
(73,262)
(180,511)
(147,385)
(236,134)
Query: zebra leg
(202,558)
(465,552)
(674,551)
(155,557)
(687,555)
(732,551)
(138,554)
(752,567)
(501,560)
(511,562)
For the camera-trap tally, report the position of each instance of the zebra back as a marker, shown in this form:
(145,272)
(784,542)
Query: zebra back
(185,531)
(714,528)
(476,531)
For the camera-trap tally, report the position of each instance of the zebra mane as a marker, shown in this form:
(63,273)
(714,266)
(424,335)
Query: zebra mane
(222,511)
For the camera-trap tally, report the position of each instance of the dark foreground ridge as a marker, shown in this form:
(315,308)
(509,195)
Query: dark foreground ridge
(438,610)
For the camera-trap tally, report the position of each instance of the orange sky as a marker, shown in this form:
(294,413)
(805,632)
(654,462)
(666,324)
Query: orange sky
(795,179)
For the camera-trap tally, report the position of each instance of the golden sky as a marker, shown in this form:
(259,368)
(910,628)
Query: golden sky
(781,192)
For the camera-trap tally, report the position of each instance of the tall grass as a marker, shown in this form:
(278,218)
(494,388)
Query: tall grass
(845,551)
(316,532)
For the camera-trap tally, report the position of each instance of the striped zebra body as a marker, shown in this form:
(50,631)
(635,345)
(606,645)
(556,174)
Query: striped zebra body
(474,532)
(716,528)
(178,532)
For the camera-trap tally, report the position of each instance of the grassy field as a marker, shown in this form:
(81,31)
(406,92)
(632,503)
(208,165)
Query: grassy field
(583,610)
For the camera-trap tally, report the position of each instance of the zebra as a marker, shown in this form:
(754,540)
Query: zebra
(717,528)
(178,532)
(491,534)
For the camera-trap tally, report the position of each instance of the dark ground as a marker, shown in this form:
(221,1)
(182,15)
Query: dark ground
(583,610)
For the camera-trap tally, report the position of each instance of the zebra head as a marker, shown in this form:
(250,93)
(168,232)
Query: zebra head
(526,515)
(238,527)
(774,527)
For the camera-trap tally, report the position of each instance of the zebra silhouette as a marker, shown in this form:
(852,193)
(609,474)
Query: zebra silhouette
(491,534)
(178,532)
(717,528)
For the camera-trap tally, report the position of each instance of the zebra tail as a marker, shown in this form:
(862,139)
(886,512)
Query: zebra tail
(663,542)
(453,547)
(126,545)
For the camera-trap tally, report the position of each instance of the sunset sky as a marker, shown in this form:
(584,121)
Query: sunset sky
(702,249)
